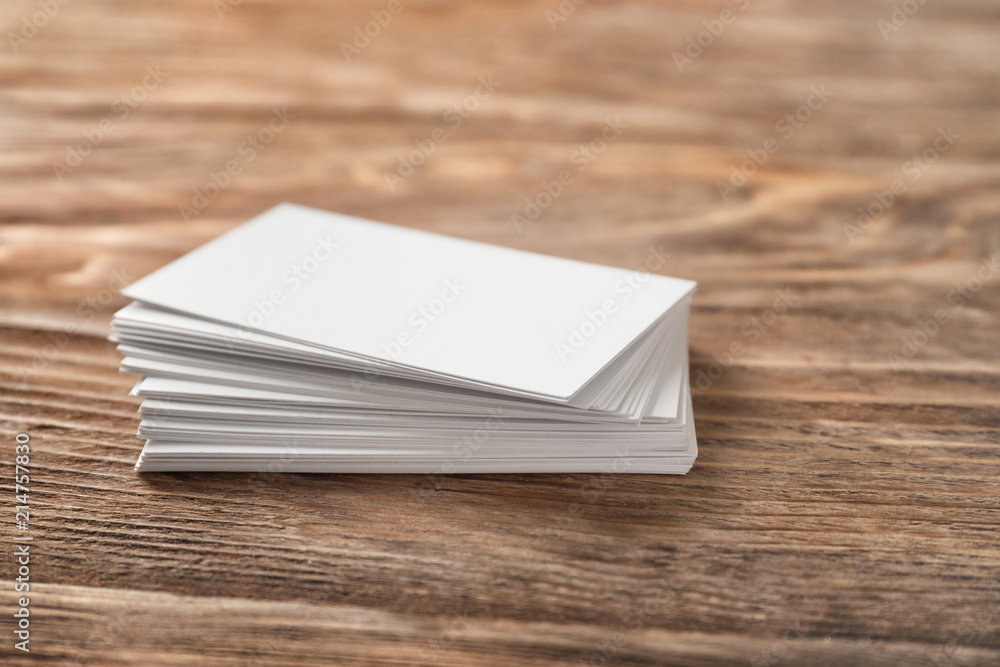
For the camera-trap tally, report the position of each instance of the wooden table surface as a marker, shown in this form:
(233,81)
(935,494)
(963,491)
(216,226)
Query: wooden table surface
(844,507)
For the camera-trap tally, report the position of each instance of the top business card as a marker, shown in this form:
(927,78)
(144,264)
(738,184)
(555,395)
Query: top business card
(431,304)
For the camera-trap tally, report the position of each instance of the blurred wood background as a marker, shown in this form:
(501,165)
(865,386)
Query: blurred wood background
(844,508)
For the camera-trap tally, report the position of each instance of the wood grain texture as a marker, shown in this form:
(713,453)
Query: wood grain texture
(843,509)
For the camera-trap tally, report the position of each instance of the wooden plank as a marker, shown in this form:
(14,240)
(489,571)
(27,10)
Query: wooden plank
(126,628)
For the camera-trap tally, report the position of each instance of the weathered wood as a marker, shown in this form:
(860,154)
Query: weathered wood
(843,509)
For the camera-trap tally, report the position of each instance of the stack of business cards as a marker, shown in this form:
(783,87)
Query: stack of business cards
(306,341)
